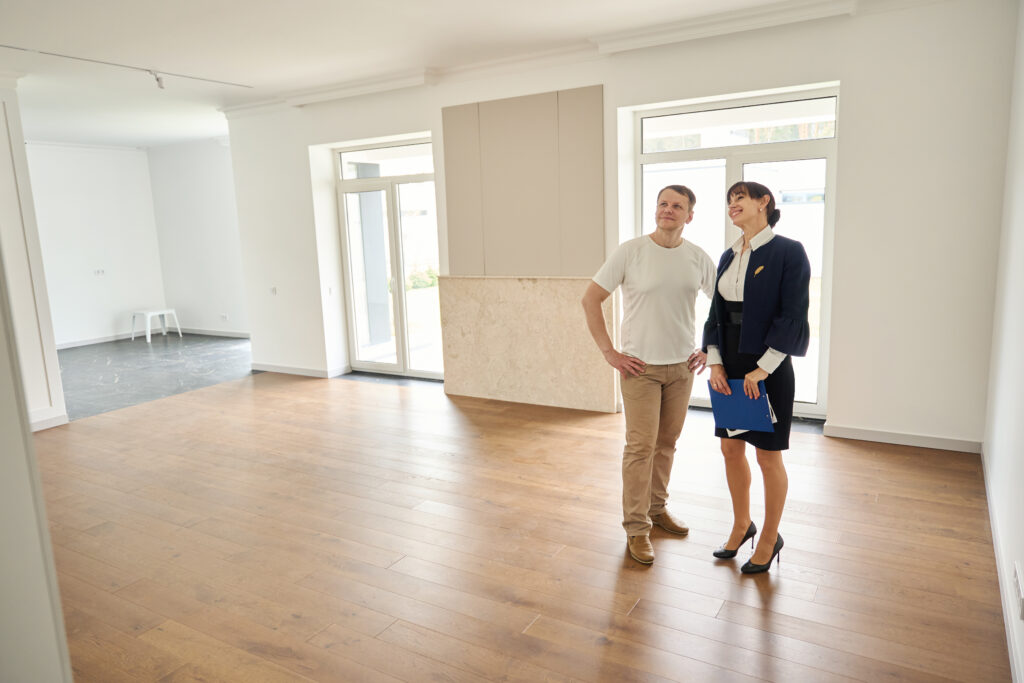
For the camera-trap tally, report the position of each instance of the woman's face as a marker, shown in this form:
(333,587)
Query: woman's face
(743,208)
(673,210)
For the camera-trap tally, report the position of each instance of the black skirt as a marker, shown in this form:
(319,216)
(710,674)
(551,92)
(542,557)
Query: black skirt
(780,385)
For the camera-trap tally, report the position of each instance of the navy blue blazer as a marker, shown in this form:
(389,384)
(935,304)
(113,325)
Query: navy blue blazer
(776,296)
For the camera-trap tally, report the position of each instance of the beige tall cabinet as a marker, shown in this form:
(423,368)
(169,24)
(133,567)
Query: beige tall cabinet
(524,184)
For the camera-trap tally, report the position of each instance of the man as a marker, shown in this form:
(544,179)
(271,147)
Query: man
(660,275)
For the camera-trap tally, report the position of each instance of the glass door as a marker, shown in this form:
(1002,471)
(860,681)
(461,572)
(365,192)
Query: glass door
(800,186)
(392,284)
(421,263)
(391,258)
(371,286)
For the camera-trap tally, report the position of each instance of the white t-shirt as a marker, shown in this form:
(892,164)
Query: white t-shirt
(659,289)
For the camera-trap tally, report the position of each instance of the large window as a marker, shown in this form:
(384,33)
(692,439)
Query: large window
(786,143)
(386,195)
(805,119)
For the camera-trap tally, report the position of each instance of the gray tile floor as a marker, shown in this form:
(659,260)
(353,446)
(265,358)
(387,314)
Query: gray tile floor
(102,377)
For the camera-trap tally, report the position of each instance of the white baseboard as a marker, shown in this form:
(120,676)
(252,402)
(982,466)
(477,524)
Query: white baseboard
(1007,591)
(216,333)
(305,372)
(142,333)
(338,372)
(902,439)
(97,340)
(45,419)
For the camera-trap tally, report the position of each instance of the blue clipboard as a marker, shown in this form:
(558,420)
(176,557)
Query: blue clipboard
(736,411)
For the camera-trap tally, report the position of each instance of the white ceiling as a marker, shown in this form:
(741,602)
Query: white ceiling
(275,47)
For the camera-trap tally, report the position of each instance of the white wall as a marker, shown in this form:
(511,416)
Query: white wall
(322,166)
(32,641)
(284,295)
(1004,432)
(98,237)
(930,111)
(197,227)
(22,258)
(906,359)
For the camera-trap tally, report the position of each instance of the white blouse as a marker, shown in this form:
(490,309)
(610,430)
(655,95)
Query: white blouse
(730,286)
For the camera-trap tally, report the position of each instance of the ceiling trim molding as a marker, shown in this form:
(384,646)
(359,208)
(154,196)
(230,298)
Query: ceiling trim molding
(882,6)
(237,111)
(789,12)
(84,145)
(568,54)
(334,92)
(362,86)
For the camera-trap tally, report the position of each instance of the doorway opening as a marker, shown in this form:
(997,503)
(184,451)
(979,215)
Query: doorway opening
(389,235)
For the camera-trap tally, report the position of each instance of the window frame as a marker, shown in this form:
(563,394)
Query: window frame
(735,157)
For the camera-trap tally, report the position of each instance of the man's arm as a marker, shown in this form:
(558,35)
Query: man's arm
(592,300)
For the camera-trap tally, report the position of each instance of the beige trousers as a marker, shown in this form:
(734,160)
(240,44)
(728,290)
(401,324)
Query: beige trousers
(655,404)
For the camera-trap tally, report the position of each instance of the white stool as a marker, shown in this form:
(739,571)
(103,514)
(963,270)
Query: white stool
(149,315)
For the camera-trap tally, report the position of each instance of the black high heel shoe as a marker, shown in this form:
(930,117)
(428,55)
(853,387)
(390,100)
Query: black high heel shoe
(724,553)
(751,568)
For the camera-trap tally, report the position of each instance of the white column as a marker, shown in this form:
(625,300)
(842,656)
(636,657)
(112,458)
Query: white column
(23,263)
(33,646)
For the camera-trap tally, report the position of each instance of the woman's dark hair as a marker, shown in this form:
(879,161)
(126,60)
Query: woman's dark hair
(756,191)
(683,190)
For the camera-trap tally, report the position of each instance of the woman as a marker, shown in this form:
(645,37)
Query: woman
(758,320)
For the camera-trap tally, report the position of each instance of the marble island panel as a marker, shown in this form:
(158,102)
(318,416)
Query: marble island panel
(523,339)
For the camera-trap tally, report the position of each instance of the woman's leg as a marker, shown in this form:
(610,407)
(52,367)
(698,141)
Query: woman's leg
(776,485)
(737,474)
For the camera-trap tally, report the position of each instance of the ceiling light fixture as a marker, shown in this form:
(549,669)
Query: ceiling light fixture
(158,76)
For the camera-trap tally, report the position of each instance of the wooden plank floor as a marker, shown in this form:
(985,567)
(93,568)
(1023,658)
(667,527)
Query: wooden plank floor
(278,528)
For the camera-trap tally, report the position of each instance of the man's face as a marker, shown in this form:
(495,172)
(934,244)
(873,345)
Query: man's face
(673,210)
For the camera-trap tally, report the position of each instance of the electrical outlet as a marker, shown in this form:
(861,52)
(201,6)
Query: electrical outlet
(273,290)
(223,316)
(1018,583)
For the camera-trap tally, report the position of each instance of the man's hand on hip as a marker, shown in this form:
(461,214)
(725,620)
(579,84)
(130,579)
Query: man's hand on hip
(626,365)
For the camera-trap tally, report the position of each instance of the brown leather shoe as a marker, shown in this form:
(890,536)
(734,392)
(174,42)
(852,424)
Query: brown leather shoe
(640,549)
(669,523)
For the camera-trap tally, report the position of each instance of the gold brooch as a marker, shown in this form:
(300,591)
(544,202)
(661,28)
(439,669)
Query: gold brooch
(759,269)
